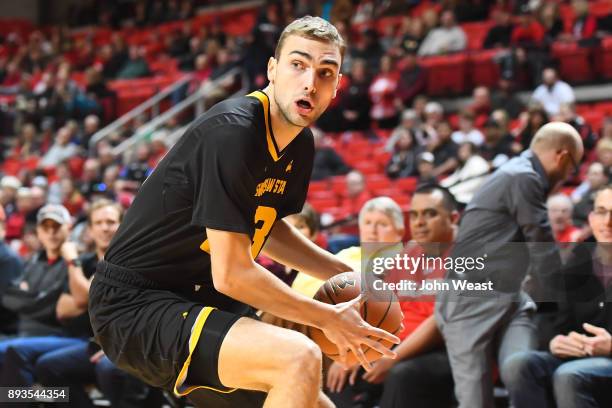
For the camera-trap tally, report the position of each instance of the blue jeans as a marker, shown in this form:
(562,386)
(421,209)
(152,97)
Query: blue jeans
(543,380)
(71,366)
(18,356)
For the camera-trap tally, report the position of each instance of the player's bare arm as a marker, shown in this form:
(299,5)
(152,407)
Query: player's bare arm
(235,274)
(288,246)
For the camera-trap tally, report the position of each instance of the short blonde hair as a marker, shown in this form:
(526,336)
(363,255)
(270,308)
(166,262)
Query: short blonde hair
(314,28)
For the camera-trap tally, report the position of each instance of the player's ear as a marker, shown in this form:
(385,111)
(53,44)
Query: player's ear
(271,69)
(337,85)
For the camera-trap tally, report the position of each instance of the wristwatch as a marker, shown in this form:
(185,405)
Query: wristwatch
(76,262)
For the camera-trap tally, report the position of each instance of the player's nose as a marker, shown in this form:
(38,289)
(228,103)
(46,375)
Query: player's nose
(309,81)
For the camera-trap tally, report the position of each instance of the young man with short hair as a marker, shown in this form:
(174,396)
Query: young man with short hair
(173,301)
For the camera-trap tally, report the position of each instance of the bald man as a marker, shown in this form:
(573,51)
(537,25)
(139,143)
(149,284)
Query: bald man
(502,223)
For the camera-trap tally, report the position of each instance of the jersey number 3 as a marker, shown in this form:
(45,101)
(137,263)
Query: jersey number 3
(264,220)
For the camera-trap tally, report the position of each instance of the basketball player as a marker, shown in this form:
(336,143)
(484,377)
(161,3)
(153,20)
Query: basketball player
(173,301)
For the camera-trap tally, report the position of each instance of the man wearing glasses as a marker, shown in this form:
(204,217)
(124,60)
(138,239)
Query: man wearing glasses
(576,371)
(507,223)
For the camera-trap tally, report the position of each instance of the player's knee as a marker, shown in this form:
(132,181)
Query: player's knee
(309,354)
(303,355)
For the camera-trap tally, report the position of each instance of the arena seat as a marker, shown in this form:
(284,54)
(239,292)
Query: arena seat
(321,195)
(378,182)
(594,119)
(388,192)
(483,70)
(407,184)
(318,185)
(403,200)
(321,204)
(367,167)
(574,61)
(338,185)
(604,58)
(476,33)
(445,74)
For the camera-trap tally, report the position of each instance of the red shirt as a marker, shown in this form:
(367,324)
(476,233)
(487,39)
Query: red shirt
(533,33)
(422,307)
(582,28)
(569,234)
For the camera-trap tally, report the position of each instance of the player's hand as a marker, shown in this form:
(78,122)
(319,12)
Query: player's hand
(337,376)
(348,331)
(380,369)
(567,346)
(598,345)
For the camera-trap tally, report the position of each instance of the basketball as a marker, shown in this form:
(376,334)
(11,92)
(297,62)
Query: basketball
(385,314)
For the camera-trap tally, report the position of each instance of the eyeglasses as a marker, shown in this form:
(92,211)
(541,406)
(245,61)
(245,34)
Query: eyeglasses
(602,212)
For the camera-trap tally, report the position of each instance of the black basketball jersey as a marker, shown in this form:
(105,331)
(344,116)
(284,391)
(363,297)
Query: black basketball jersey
(225,173)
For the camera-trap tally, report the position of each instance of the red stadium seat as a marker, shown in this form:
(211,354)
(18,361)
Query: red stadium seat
(11,166)
(446,74)
(403,199)
(476,33)
(407,184)
(367,167)
(76,166)
(31,163)
(388,192)
(338,185)
(322,195)
(604,58)
(600,8)
(574,62)
(321,185)
(338,213)
(382,158)
(594,119)
(320,205)
(378,182)
(483,70)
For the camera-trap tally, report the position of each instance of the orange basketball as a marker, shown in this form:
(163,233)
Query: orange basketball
(385,314)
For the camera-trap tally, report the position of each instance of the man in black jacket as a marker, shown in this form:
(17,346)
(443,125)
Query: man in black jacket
(77,364)
(576,371)
(35,296)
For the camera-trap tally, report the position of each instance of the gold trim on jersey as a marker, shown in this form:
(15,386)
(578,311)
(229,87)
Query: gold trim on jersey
(196,330)
(265,102)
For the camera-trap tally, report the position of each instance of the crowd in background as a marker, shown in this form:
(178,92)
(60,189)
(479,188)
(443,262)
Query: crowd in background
(52,115)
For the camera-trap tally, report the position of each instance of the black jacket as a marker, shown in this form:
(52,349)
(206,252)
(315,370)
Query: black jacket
(584,299)
(36,305)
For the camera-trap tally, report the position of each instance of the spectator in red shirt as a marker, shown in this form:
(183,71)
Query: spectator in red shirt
(356,192)
(481,105)
(528,33)
(420,376)
(384,110)
(560,210)
(584,25)
(16,221)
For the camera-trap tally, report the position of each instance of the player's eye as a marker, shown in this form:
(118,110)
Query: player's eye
(297,65)
(326,73)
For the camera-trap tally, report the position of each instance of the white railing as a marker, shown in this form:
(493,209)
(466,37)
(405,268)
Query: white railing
(152,103)
(195,99)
